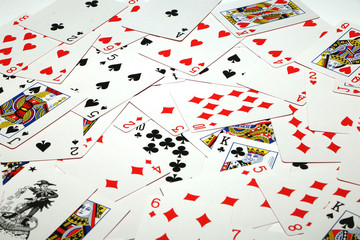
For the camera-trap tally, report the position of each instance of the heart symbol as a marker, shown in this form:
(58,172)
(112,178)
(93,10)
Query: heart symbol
(313,82)
(20,64)
(63,71)
(358,128)
(291,69)
(347,122)
(135,9)
(223,33)
(323,34)
(115,19)
(29,36)
(242,24)
(309,23)
(252,30)
(288,58)
(356,91)
(5,62)
(16,23)
(47,71)
(165,53)
(25,68)
(281,2)
(202,26)
(346,70)
(6,51)
(128,30)
(9,38)
(352,34)
(118,43)
(105,40)
(338,30)
(186,61)
(195,42)
(29,46)
(259,41)
(275,53)
(62,53)
(201,64)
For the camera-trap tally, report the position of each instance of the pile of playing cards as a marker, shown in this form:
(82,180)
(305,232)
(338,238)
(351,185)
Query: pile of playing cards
(179,120)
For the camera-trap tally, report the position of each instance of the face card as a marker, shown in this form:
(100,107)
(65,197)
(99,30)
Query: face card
(175,20)
(30,110)
(19,46)
(336,54)
(297,143)
(188,55)
(161,108)
(37,203)
(57,64)
(346,88)
(287,82)
(278,50)
(69,21)
(50,143)
(245,18)
(329,111)
(209,106)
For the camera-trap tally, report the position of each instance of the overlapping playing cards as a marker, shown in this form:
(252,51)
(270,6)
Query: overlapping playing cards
(179,120)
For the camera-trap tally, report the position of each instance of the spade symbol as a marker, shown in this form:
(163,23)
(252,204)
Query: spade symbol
(83,62)
(229,73)
(25,133)
(234,58)
(34,90)
(22,86)
(43,145)
(125,46)
(134,77)
(91,103)
(1,90)
(91,4)
(75,142)
(204,71)
(330,215)
(347,222)
(173,12)
(103,107)
(162,71)
(115,67)
(102,85)
(12,129)
(102,63)
(146,42)
(184,29)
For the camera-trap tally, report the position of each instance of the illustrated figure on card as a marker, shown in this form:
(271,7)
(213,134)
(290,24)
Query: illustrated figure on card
(10,169)
(81,222)
(22,219)
(345,228)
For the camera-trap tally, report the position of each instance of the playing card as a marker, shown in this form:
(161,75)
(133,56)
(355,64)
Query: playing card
(19,46)
(130,118)
(39,202)
(114,35)
(287,82)
(161,108)
(30,110)
(348,166)
(346,88)
(323,103)
(57,64)
(277,47)
(174,20)
(48,144)
(188,55)
(209,106)
(69,21)
(336,53)
(245,18)
(297,143)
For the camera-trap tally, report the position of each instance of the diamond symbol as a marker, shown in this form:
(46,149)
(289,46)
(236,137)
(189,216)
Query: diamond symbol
(148,161)
(265,204)
(307,128)
(139,119)
(235,93)
(293,109)
(245,172)
(170,215)
(213,124)
(230,201)
(318,185)
(163,237)
(294,121)
(152,214)
(302,147)
(253,183)
(341,192)
(245,108)
(89,139)
(211,106)
(333,147)
(191,197)
(309,199)
(203,220)
(196,100)
(299,135)
(205,116)
(111,183)
(100,140)
(299,213)
(250,99)
(329,135)
(286,191)
(137,170)
(216,96)
(252,91)
(265,105)
(225,112)
(167,110)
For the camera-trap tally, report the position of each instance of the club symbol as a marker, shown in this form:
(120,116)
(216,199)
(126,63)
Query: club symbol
(154,135)
(181,139)
(221,149)
(239,151)
(167,143)
(180,151)
(173,12)
(151,148)
(7,77)
(302,165)
(177,166)
(137,135)
(173,178)
(56,26)
(93,3)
